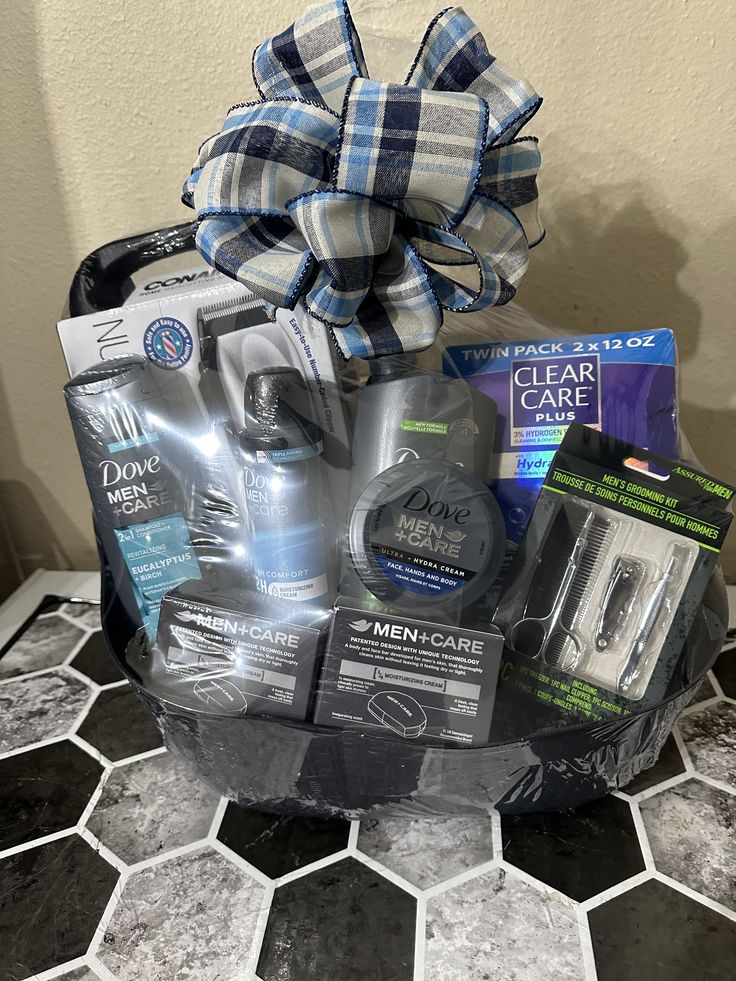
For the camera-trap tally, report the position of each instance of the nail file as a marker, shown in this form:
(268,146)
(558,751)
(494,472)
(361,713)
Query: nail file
(657,601)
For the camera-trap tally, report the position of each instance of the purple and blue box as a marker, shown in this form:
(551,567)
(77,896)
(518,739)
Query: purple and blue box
(624,384)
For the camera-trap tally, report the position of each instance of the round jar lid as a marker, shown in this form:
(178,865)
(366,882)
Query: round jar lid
(426,533)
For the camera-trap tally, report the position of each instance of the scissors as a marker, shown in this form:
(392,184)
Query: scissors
(547,636)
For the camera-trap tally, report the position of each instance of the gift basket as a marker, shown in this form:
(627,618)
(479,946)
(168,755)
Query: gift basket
(372,540)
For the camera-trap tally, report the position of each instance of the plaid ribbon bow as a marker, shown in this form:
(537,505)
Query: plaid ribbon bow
(360,196)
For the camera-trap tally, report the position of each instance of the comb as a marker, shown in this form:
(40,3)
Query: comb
(595,531)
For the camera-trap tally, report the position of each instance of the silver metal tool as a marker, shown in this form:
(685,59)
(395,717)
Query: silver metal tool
(548,636)
(626,575)
(629,673)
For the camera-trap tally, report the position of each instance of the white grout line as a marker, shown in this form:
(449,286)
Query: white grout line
(389,874)
(94,799)
(89,749)
(718,784)
(145,755)
(680,887)
(259,932)
(100,969)
(164,856)
(107,914)
(27,675)
(29,747)
(115,684)
(55,972)
(701,706)
(87,633)
(496,834)
(463,877)
(217,818)
(353,837)
(684,751)
(84,711)
(515,872)
(716,684)
(659,787)
(34,842)
(320,863)
(618,890)
(420,940)
(76,673)
(102,850)
(641,834)
(250,870)
(586,945)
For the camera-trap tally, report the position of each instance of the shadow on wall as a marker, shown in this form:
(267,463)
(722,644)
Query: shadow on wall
(34,279)
(610,263)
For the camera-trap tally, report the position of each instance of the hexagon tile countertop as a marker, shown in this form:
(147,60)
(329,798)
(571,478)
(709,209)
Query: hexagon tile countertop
(117,863)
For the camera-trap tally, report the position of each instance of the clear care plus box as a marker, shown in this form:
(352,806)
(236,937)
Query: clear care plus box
(621,383)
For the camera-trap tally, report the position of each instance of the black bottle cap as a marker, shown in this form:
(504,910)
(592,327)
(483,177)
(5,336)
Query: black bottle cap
(277,408)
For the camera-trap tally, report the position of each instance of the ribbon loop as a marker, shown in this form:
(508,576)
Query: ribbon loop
(358,196)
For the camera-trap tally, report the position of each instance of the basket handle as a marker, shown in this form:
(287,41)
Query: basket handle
(103,281)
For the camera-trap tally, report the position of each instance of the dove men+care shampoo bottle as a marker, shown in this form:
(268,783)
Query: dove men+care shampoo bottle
(128,448)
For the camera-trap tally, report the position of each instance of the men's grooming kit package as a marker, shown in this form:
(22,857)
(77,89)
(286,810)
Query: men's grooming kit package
(296,546)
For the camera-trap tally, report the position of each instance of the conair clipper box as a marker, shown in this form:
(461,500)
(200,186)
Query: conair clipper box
(623,384)
(416,679)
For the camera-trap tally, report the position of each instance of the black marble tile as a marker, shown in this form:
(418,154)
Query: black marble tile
(668,765)
(277,844)
(655,933)
(51,900)
(581,852)
(49,604)
(341,923)
(46,643)
(43,791)
(725,671)
(43,707)
(119,726)
(95,661)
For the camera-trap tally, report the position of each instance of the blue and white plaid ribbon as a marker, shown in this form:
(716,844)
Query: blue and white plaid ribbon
(360,196)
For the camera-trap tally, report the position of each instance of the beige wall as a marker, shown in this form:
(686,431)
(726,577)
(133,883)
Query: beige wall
(105,103)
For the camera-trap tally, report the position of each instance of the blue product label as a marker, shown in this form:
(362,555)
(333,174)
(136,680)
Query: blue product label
(290,454)
(168,343)
(290,562)
(159,556)
(416,578)
(129,444)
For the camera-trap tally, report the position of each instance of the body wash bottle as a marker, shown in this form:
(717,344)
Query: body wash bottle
(282,474)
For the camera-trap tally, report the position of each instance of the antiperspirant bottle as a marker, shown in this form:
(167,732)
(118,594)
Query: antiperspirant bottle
(282,476)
